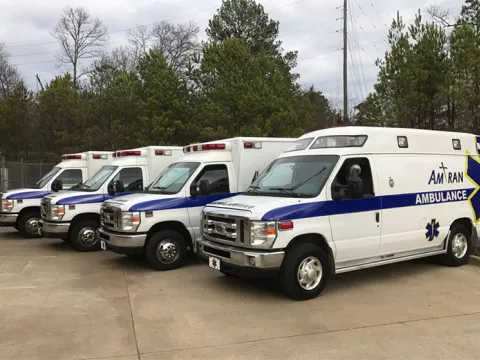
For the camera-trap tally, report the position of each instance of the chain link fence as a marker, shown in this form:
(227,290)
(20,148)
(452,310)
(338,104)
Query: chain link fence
(19,174)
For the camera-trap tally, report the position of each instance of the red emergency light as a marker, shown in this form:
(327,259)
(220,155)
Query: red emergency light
(71,157)
(252,145)
(129,153)
(99,156)
(204,147)
(163,152)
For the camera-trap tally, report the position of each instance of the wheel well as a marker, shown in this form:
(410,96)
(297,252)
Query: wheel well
(25,210)
(466,222)
(83,217)
(171,225)
(319,240)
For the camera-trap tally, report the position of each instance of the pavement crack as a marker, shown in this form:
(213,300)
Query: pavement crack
(131,311)
(401,322)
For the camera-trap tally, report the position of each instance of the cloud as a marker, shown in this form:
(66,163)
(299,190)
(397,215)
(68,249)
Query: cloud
(312,29)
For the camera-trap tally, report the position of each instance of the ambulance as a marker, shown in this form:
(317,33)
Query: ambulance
(163,222)
(20,208)
(349,198)
(74,216)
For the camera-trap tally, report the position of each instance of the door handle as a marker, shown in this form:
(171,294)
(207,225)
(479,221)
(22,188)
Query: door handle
(377,217)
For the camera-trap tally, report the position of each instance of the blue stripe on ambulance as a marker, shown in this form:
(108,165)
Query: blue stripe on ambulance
(28,195)
(327,208)
(88,199)
(178,203)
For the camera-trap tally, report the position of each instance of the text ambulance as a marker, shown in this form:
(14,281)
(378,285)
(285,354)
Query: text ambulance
(20,208)
(74,216)
(349,198)
(163,222)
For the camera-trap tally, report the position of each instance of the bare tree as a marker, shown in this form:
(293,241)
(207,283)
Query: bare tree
(80,37)
(176,42)
(9,76)
(139,40)
(440,16)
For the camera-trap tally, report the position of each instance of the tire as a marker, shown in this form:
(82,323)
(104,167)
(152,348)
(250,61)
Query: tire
(83,236)
(458,247)
(173,254)
(28,224)
(294,259)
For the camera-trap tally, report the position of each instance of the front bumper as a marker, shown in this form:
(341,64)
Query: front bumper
(8,219)
(122,243)
(240,257)
(54,229)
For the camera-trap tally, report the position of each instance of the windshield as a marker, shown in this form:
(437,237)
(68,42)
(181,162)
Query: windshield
(46,178)
(171,180)
(97,180)
(296,176)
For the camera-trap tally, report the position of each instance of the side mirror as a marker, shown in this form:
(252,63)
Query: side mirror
(200,188)
(57,185)
(116,187)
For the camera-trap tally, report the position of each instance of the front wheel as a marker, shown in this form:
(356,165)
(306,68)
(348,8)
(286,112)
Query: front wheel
(458,247)
(83,236)
(304,272)
(28,225)
(166,250)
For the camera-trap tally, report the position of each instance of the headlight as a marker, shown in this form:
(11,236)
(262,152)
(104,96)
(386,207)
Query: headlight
(57,212)
(130,221)
(7,204)
(263,234)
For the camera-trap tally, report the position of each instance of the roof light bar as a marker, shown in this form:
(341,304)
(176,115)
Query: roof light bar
(71,157)
(129,153)
(100,156)
(163,152)
(252,145)
(204,147)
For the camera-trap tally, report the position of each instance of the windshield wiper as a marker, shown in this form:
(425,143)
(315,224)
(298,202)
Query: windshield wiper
(285,190)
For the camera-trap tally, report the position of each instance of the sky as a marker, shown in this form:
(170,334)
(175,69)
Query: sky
(312,27)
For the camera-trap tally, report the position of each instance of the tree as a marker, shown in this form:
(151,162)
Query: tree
(9,76)
(247,20)
(80,38)
(242,94)
(176,42)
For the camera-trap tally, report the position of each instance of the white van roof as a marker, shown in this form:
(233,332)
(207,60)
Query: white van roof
(363,139)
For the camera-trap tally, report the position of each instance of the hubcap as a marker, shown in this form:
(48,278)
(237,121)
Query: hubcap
(459,245)
(168,251)
(87,236)
(309,273)
(32,225)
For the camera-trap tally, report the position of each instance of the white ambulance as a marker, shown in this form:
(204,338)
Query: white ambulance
(74,216)
(20,208)
(350,198)
(163,222)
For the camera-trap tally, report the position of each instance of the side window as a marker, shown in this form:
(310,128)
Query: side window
(132,179)
(217,176)
(70,178)
(340,182)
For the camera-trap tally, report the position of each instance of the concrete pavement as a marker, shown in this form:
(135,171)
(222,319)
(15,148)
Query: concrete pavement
(56,303)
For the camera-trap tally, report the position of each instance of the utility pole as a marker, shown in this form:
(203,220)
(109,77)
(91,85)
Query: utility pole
(345,69)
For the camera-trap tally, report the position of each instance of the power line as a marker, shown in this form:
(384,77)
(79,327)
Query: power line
(381,35)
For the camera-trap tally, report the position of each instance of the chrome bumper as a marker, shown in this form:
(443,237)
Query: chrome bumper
(6,218)
(53,227)
(122,240)
(260,259)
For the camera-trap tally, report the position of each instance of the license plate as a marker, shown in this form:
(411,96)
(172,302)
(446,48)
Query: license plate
(214,263)
(103,245)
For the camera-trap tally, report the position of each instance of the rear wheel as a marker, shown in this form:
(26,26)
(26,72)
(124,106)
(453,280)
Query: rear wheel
(458,247)
(28,224)
(83,236)
(304,272)
(166,250)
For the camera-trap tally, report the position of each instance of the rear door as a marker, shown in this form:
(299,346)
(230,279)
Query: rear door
(355,223)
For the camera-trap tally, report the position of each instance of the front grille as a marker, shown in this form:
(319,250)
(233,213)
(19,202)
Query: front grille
(46,208)
(110,217)
(226,229)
